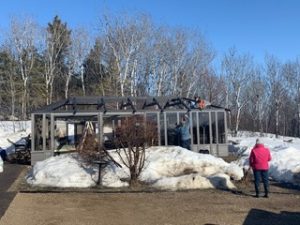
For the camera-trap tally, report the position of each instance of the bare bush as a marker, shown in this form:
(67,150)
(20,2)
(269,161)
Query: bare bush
(88,147)
(133,136)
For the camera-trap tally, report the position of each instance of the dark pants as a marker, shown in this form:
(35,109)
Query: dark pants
(264,175)
(186,144)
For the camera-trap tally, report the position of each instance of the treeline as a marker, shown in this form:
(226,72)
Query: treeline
(131,56)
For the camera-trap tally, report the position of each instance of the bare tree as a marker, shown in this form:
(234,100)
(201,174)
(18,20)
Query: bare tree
(159,80)
(23,34)
(237,69)
(291,75)
(256,101)
(79,49)
(199,78)
(133,136)
(276,89)
(57,41)
(125,37)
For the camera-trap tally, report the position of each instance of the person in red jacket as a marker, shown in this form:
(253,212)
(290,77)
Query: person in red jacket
(259,162)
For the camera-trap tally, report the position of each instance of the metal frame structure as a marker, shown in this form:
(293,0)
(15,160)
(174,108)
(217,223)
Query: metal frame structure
(208,125)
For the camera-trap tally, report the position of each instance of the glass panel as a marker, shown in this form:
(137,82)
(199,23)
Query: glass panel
(221,127)
(48,132)
(71,133)
(214,127)
(204,127)
(60,133)
(108,131)
(173,137)
(194,126)
(151,119)
(38,136)
(68,131)
(162,129)
(115,124)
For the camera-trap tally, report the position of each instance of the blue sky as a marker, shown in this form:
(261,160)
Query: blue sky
(256,27)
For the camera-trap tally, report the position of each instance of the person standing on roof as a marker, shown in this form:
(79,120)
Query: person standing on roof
(259,162)
(184,130)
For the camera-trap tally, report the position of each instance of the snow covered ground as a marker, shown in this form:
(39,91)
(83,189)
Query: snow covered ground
(12,131)
(285,152)
(168,168)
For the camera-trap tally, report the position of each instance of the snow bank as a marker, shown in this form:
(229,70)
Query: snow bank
(14,131)
(62,171)
(285,165)
(172,168)
(177,168)
(285,152)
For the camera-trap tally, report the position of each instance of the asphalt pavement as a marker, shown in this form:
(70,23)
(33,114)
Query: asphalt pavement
(7,178)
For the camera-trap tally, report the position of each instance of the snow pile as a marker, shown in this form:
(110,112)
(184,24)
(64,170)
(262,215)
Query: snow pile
(177,168)
(285,152)
(14,131)
(61,171)
(169,168)
(285,165)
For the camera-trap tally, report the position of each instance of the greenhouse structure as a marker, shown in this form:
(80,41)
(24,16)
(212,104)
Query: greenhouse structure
(58,128)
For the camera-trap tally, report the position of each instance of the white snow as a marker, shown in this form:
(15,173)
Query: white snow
(285,152)
(61,171)
(168,168)
(13,131)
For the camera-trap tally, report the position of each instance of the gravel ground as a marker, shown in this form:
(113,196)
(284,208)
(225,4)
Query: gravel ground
(168,208)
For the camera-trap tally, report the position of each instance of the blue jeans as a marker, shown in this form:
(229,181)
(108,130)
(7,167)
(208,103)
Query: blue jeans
(264,175)
(186,144)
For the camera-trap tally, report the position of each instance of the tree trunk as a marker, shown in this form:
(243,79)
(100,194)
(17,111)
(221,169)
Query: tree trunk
(67,86)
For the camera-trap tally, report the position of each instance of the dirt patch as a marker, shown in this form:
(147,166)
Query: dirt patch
(55,206)
(169,208)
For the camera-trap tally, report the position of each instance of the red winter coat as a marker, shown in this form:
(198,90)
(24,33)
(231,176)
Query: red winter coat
(259,157)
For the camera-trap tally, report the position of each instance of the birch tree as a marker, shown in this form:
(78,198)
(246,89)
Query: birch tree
(291,74)
(125,37)
(23,34)
(200,79)
(276,91)
(237,69)
(57,42)
(78,51)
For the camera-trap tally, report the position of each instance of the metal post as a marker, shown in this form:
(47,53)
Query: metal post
(277,118)
(52,133)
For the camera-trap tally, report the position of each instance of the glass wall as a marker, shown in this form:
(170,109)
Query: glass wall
(162,129)
(38,134)
(204,128)
(152,126)
(48,132)
(214,127)
(221,128)
(194,128)
(109,131)
(60,133)
(172,134)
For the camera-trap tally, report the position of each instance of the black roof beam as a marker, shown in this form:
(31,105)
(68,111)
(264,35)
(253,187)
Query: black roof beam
(128,103)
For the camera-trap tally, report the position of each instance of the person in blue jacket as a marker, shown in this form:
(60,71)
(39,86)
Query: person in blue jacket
(184,130)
